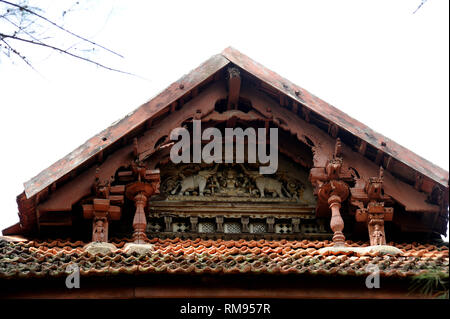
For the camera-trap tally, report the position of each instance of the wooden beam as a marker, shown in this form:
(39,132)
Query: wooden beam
(173,107)
(148,124)
(333,130)
(135,147)
(388,162)
(295,107)
(418,181)
(217,76)
(100,157)
(379,157)
(283,100)
(234,87)
(362,147)
(306,114)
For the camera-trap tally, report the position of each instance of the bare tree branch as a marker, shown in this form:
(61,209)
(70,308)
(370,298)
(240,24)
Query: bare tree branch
(58,26)
(18,54)
(23,29)
(5,36)
(25,20)
(420,6)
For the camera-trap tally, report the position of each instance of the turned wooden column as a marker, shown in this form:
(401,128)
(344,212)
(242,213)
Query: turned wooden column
(139,192)
(333,194)
(332,189)
(139,220)
(336,223)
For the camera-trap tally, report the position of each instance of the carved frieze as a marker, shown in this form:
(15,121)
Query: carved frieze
(233,183)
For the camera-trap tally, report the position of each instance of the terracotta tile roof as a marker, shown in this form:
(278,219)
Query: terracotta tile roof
(181,256)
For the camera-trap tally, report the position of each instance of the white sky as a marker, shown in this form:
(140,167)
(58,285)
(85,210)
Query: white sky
(374,60)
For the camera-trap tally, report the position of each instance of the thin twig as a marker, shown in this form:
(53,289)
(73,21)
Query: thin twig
(23,30)
(420,6)
(18,54)
(59,27)
(3,36)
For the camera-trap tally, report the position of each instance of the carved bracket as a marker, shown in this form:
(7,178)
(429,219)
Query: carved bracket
(101,211)
(105,207)
(369,197)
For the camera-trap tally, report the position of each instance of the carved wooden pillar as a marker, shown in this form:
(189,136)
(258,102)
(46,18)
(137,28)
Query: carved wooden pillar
(336,223)
(139,220)
(194,224)
(139,192)
(270,224)
(146,185)
(296,225)
(332,190)
(334,193)
(219,222)
(245,220)
(168,223)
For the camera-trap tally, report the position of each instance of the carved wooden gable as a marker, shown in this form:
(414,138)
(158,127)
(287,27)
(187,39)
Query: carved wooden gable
(331,167)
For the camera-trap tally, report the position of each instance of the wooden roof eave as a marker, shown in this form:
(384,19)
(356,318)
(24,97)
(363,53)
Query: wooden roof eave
(341,119)
(117,130)
(176,90)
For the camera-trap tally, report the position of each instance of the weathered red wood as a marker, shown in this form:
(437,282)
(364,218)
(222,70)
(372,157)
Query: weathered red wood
(336,223)
(234,86)
(64,191)
(339,118)
(107,137)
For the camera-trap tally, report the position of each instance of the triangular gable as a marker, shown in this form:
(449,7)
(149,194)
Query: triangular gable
(424,179)
(104,139)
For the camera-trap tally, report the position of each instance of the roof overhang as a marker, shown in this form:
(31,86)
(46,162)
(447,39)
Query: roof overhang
(119,129)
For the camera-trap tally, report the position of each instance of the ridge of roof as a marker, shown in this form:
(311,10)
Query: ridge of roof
(187,82)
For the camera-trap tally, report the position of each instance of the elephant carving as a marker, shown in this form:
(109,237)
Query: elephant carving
(266,183)
(193,182)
